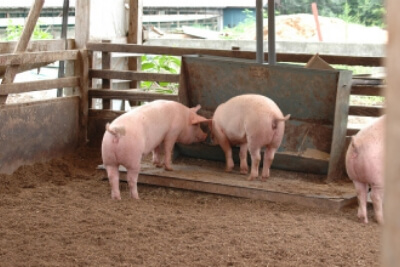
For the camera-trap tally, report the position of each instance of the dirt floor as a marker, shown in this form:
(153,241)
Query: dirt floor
(60,214)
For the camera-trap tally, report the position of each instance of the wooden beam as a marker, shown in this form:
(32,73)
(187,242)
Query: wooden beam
(23,87)
(368,90)
(104,114)
(37,57)
(133,95)
(132,75)
(281,57)
(82,23)
(106,82)
(135,33)
(22,44)
(64,26)
(391,231)
(84,101)
(38,45)
(366,111)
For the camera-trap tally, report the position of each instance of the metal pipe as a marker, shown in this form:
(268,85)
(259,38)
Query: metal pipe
(259,32)
(271,33)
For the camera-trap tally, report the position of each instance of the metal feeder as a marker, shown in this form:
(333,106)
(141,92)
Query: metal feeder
(318,101)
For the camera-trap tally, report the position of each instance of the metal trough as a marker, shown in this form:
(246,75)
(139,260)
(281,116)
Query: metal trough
(318,101)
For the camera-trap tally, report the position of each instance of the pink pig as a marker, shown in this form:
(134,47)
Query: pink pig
(251,121)
(151,127)
(364,165)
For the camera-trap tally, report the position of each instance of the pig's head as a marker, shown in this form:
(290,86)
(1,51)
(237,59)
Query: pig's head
(193,132)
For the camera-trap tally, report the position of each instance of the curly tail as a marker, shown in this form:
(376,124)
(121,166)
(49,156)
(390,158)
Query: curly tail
(117,132)
(277,120)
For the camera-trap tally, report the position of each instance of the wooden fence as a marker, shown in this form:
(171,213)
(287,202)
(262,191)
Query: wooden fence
(361,86)
(42,129)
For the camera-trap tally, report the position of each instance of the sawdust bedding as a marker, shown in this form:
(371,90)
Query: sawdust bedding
(59,213)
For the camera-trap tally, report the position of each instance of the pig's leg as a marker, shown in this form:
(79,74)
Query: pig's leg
(255,162)
(362,194)
(226,147)
(377,201)
(156,157)
(113,178)
(244,167)
(168,148)
(268,158)
(132,177)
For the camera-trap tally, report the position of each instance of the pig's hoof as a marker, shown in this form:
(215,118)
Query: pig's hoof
(363,220)
(251,178)
(135,196)
(379,221)
(264,179)
(116,197)
(244,171)
(168,168)
(228,169)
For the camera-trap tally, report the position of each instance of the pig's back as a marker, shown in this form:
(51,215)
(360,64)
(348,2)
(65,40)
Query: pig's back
(246,107)
(364,158)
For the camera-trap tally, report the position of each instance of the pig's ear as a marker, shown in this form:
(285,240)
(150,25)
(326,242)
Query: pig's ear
(196,108)
(196,119)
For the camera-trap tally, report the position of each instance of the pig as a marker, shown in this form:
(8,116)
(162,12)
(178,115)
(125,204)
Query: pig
(364,166)
(251,121)
(149,128)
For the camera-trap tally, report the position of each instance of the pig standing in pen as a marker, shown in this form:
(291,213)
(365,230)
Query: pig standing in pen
(148,128)
(364,165)
(251,121)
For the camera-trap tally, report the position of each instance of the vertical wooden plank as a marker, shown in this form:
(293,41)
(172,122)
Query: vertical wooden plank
(391,231)
(106,65)
(135,33)
(82,31)
(82,23)
(23,42)
(84,101)
(90,66)
(183,85)
(64,28)
(336,162)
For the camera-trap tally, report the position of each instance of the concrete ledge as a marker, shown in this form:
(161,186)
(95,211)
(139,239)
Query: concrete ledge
(323,48)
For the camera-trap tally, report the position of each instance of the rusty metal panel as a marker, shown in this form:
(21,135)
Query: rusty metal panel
(296,90)
(37,131)
(309,95)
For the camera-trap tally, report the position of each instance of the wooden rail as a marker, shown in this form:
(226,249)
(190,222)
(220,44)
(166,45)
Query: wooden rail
(34,58)
(361,87)
(31,86)
(281,57)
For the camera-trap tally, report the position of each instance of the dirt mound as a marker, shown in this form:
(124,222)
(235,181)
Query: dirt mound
(302,27)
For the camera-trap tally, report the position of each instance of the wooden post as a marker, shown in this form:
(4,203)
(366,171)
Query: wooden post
(23,42)
(106,83)
(81,66)
(391,231)
(64,28)
(84,92)
(82,23)
(135,35)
